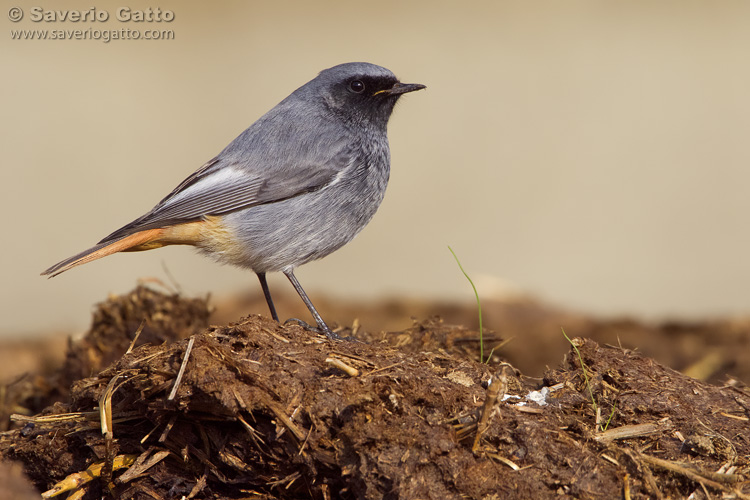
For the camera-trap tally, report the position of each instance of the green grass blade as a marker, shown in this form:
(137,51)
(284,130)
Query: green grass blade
(479,307)
(583,369)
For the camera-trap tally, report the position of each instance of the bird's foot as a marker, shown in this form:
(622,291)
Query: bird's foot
(321,329)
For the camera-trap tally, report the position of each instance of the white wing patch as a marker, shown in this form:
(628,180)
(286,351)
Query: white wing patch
(225,176)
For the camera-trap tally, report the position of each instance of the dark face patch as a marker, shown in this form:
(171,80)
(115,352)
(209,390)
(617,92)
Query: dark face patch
(368,86)
(365,97)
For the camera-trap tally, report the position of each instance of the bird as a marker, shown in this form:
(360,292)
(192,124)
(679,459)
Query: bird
(295,186)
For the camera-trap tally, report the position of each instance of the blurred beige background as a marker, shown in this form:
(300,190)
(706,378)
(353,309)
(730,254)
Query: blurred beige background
(593,154)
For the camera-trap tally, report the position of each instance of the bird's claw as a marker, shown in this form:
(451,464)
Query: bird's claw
(321,329)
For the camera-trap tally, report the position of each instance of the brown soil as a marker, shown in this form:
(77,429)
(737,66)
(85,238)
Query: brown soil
(255,409)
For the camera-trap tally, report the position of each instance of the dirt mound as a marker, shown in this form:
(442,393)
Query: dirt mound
(528,331)
(260,410)
(139,317)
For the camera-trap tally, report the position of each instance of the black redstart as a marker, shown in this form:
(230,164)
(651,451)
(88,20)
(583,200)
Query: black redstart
(298,184)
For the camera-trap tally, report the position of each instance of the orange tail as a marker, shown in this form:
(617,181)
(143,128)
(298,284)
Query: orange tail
(143,240)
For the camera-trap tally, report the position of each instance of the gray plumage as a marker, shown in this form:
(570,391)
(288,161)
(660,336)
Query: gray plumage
(295,186)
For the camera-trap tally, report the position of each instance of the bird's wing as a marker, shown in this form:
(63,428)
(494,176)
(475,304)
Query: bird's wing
(220,187)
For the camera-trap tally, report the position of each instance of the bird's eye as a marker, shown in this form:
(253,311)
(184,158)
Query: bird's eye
(357,86)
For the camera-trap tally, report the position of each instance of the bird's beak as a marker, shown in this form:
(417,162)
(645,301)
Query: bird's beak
(401,88)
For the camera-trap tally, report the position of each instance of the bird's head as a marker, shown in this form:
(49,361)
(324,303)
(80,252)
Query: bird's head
(360,92)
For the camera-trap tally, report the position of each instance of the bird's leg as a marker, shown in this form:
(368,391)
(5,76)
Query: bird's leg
(267,294)
(321,324)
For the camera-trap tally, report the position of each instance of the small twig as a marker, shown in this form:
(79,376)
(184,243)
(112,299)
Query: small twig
(382,369)
(355,327)
(105,418)
(135,337)
(178,380)
(497,389)
(167,429)
(705,491)
(526,409)
(285,420)
(628,431)
(275,335)
(337,363)
(105,405)
(711,479)
(199,485)
(626,486)
(80,416)
(504,460)
(736,417)
(353,356)
(302,446)
(146,358)
(149,434)
(142,464)
(651,482)
(78,479)
(288,480)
